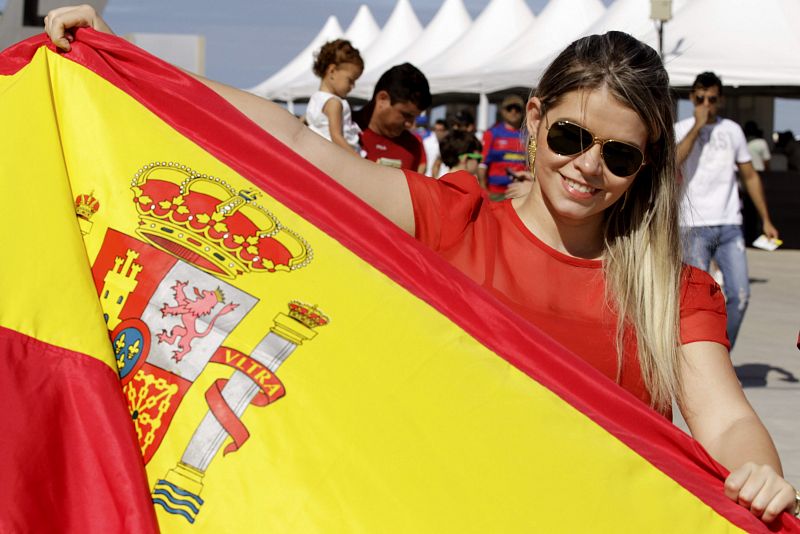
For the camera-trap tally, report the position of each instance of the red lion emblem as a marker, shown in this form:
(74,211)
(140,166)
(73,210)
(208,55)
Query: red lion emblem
(189,311)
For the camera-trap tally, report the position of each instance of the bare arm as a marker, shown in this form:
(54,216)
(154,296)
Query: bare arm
(722,420)
(482,175)
(333,110)
(701,116)
(752,182)
(436,167)
(686,144)
(483,168)
(383,188)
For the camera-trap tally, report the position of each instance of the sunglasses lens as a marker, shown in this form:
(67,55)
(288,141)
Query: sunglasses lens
(622,159)
(699,99)
(567,139)
(514,107)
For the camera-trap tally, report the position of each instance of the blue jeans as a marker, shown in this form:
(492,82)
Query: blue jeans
(725,245)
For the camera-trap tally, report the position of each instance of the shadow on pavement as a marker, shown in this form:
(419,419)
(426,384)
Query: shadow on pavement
(754,375)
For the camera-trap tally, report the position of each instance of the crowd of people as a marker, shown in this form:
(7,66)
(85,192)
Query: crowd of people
(590,249)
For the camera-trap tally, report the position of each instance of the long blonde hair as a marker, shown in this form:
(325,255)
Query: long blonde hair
(642,258)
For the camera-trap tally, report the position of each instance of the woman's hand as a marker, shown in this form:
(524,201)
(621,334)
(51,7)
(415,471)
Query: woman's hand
(518,189)
(761,490)
(60,24)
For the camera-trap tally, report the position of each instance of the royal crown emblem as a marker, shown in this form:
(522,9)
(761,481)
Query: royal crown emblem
(85,207)
(310,316)
(206,222)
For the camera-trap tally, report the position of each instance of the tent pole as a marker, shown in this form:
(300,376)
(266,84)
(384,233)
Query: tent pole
(483,112)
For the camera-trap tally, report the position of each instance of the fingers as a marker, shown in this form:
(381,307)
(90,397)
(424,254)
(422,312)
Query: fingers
(761,490)
(770,231)
(779,504)
(59,23)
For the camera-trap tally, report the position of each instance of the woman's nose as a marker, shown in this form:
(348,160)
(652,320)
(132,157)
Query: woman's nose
(590,162)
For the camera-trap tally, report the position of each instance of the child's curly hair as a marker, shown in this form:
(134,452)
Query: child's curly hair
(335,53)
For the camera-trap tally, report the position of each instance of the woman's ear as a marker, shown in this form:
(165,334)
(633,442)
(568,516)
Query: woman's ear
(533,115)
(329,70)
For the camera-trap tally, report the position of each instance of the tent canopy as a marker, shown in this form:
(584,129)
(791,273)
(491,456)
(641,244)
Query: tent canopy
(275,86)
(507,47)
(450,22)
(746,42)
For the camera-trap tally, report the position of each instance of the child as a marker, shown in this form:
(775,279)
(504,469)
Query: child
(460,150)
(338,65)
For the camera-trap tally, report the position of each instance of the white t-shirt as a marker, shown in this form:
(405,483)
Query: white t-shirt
(431,146)
(318,121)
(710,191)
(759,152)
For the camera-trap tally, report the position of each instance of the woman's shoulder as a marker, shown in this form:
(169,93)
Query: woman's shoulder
(702,308)
(699,291)
(444,208)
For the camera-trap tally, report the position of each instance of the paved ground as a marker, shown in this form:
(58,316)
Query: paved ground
(766,357)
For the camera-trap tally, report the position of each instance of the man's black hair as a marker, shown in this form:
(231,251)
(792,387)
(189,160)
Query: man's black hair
(707,80)
(403,83)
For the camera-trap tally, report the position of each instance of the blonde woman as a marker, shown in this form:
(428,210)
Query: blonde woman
(591,255)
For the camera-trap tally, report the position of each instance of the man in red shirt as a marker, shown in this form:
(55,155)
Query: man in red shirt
(400,95)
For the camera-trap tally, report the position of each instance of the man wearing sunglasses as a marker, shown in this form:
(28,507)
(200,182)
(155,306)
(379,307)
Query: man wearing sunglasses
(710,150)
(503,151)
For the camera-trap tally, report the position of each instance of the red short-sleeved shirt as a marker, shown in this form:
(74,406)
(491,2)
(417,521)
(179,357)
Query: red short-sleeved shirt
(404,151)
(561,294)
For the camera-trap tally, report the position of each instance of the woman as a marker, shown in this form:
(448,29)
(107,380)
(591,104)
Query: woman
(593,248)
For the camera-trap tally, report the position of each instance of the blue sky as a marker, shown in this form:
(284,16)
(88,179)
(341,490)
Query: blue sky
(248,40)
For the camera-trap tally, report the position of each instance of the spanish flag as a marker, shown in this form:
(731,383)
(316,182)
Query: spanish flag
(201,332)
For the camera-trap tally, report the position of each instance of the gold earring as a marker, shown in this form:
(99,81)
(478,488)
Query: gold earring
(531,152)
(532,157)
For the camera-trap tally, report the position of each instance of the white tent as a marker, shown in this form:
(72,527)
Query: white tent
(499,25)
(275,86)
(630,16)
(746,42)
(363,31)
(400,31)
(559,23)
(449,23)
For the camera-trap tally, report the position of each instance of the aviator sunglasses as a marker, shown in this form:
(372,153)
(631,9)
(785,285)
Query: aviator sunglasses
(699,99)
(566,138)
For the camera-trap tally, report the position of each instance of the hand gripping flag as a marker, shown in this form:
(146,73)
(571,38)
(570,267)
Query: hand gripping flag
(201,329)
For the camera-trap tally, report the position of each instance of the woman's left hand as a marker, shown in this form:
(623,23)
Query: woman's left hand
(761,490)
